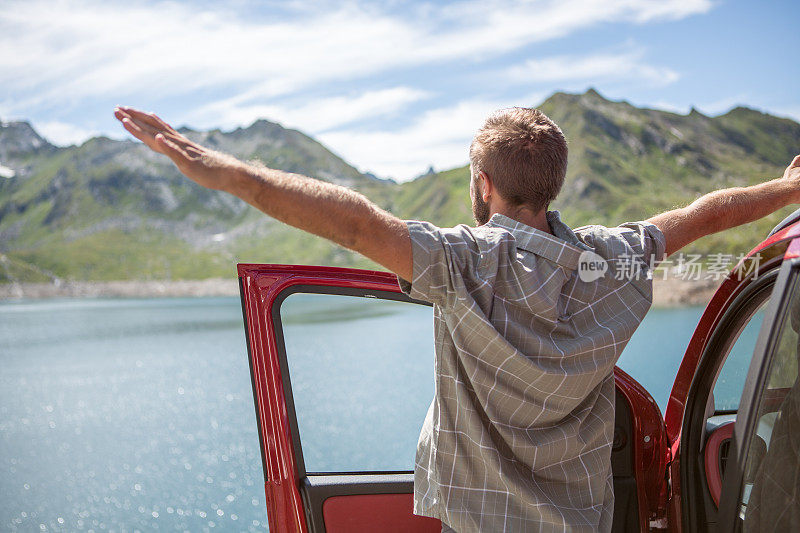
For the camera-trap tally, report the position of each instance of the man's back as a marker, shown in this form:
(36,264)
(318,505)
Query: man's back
(519,434)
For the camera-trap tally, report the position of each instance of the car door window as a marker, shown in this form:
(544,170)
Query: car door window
(730,382)
(769,498)
(361,371)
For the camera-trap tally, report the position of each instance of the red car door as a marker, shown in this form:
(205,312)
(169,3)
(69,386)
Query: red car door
(307,488)
(328,456)
(760,491)
(699,431)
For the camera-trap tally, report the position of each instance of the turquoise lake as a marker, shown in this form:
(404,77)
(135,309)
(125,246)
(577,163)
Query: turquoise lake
(137,414)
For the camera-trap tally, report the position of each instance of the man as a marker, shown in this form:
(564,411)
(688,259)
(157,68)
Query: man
(518,437)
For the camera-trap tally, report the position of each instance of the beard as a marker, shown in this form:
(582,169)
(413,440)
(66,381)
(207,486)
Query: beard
(480,209)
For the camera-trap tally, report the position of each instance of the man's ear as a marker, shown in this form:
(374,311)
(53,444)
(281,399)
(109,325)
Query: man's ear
(488,187)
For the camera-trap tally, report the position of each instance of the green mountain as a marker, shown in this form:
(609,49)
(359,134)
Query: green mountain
(113,210)
(627,163)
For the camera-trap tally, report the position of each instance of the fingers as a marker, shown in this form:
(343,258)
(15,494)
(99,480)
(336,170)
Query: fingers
(160,137)
(145,121)
(135,130)
(150,119)
(146,126)
(172,150)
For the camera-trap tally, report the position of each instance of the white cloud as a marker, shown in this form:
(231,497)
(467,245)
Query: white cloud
(57,52)
(591,69)
(310,116)
(299,65)
(439,136)
(62,133)
(649,11)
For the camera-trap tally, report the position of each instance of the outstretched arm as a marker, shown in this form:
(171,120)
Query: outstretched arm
(728,208)
(330,211)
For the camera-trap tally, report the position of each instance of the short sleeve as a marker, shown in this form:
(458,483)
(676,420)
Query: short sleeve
(441,259)
(646,240)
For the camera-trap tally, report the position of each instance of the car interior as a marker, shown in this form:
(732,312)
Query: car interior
(626,507)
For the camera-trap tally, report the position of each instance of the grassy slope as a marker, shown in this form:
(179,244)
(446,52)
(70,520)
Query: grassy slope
(109,210)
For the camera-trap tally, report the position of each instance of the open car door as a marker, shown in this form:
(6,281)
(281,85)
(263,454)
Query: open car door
(342,366)
(761,487)
(710,396)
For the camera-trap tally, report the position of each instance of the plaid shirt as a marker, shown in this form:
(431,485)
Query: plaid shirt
(518,436)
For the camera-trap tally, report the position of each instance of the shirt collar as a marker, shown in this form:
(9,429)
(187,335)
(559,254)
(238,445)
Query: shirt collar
(562,247)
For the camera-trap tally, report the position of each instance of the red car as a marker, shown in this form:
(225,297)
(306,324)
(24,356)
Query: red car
(668,470)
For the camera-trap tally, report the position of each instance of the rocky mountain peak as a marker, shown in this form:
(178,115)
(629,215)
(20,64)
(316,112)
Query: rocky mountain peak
(19,138)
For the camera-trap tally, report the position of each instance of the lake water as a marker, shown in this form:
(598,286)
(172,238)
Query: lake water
(137,414)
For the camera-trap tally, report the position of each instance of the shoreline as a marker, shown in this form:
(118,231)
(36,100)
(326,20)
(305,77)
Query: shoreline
(672,292)
(678,292)
(121,289)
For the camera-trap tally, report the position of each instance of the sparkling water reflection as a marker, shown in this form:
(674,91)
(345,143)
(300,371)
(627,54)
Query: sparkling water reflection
(125,415)
(137,414)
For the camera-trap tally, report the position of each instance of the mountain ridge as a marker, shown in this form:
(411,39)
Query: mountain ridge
(110,209)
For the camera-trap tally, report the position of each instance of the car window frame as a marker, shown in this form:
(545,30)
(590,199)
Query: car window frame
(284,363)
(261,447)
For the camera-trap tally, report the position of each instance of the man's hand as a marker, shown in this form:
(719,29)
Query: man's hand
(330,211)
(792,173)
(728,208)
(206,167)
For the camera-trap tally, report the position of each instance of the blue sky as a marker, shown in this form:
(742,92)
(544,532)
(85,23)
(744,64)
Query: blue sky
(393,87)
